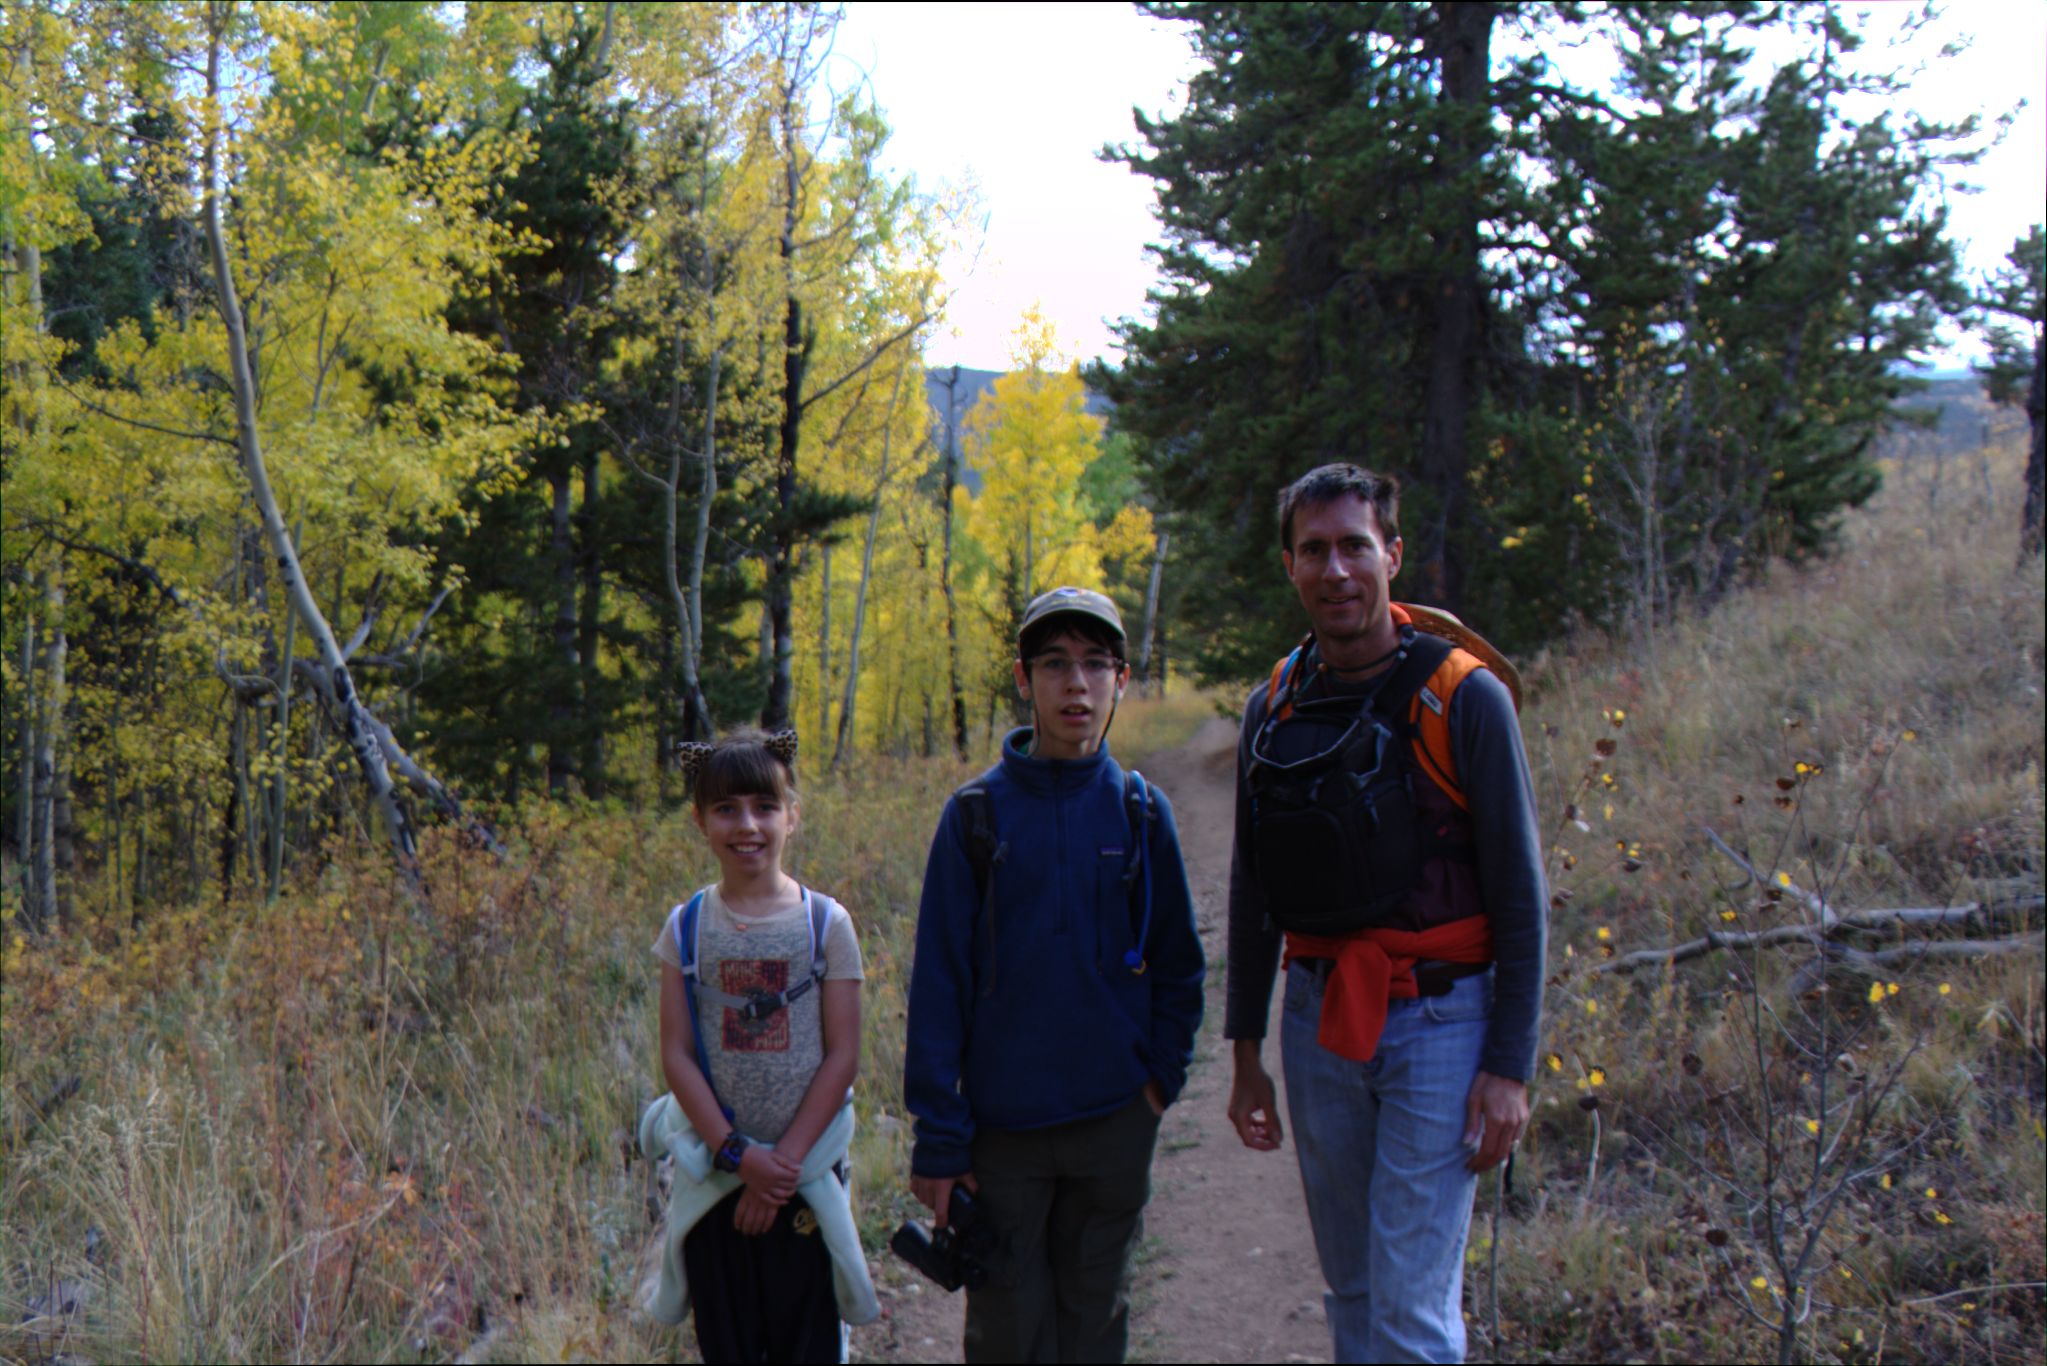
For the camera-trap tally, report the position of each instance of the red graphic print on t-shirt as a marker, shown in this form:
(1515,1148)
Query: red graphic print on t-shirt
(748,977)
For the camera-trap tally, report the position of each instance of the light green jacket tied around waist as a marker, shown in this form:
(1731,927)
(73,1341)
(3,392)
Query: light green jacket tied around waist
(698,1188)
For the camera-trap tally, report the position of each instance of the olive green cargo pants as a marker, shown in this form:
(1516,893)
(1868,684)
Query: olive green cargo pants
(1067,1205)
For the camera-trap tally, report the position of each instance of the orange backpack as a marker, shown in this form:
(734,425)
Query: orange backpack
(1428,712)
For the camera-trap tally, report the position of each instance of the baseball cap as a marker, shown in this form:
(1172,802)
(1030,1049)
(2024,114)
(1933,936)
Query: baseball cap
(1079,601)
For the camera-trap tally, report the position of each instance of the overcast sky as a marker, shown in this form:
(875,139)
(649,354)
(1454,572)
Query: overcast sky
(1016,99)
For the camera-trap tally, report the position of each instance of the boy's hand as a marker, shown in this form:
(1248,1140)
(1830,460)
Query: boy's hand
(754,1214)
(935,1192)
(768,1175)
(1254,1109)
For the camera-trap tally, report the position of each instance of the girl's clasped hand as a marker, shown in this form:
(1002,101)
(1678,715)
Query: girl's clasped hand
(770,1180)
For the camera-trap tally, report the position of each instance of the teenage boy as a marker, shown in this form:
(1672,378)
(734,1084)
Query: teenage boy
(1053,1001)
(1386,824)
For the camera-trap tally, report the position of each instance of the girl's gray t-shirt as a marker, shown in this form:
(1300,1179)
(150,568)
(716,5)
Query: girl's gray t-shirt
(761,1068)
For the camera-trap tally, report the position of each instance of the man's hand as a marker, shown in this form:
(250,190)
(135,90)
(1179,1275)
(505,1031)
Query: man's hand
(935,1192)
(1496,1113)
(1155,1097)
(768,1175)
(754,1214)
(1253,1107)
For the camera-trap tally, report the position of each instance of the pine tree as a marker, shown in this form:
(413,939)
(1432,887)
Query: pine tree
(2016,302)
(1640,336)
(1320,197)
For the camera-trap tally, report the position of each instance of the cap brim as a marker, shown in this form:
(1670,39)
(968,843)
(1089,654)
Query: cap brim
(1074,610)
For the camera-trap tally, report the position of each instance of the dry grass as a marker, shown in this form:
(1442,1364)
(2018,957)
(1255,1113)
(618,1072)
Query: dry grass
(330,1129)
(1870,728)
(1150,725)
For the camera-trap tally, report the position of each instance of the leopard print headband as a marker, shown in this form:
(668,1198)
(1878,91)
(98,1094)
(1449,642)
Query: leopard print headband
(694,754)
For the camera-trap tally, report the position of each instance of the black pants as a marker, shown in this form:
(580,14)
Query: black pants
(1067,1204)
(765,1297)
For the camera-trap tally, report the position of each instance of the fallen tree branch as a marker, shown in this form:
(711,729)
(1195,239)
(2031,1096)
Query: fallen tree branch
(405,766)
(1882,963)
(1976,1290)
(2018,906)
(1938,950)
(433,788)
(1710,942)
(1862,922)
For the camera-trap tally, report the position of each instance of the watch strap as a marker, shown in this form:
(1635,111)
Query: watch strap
(731,1151)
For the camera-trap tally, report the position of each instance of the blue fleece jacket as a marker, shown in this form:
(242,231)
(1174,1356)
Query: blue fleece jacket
(1061,1029)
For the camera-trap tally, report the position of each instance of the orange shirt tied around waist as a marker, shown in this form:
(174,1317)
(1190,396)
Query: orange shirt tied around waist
(1372,966)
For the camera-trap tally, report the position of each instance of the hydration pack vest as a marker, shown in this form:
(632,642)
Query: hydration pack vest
(1341,837)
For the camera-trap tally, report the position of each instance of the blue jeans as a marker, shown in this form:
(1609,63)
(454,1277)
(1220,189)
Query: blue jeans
(1382,1156)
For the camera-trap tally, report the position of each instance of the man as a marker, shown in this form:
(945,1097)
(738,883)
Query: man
(1386,839)
(1053,1001)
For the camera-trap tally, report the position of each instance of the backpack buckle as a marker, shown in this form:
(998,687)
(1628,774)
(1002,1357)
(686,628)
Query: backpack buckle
(760,1005)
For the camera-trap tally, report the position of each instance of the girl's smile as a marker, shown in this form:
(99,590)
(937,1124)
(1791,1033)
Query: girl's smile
(747,833)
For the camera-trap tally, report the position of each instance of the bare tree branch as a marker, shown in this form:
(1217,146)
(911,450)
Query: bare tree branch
(82,401)
(419,627)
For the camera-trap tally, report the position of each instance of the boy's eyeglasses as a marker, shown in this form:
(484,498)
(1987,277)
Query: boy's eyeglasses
(1094,667)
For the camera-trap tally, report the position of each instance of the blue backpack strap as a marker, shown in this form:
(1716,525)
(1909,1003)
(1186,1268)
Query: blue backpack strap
(820,921)
(1137,801)
(820,918)
(686,930)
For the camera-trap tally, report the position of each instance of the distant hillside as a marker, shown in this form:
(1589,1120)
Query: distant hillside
(1964,421)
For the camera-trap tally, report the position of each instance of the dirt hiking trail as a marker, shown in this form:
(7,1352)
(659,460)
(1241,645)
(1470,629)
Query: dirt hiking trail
(1227,1270)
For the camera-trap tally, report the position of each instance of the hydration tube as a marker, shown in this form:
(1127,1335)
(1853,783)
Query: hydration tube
(1133,958)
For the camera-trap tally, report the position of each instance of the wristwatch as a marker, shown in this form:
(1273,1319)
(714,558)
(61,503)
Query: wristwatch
(726,1159)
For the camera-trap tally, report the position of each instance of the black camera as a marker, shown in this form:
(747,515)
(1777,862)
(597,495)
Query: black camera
(953,1255)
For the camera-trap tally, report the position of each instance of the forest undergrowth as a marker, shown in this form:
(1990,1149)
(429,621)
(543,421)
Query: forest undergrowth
(338,1127)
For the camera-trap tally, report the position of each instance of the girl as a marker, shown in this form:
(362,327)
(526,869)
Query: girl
(760,1040)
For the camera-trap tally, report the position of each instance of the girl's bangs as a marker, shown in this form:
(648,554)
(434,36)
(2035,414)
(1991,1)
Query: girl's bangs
(742,770)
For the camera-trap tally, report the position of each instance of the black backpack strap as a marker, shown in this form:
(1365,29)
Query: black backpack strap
(1139,812)
(1424,655)
(985,852)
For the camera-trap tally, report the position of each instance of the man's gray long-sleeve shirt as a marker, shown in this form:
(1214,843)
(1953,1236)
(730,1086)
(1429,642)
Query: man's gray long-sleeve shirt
(1492,768)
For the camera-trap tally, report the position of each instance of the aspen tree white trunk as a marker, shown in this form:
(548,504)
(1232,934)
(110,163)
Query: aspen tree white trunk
(331,670)
(274,878)
(952,629)
(824,646)
(1151,616)
(48,779)
(25,813)
(845,736)
(707,490)
(687,597)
